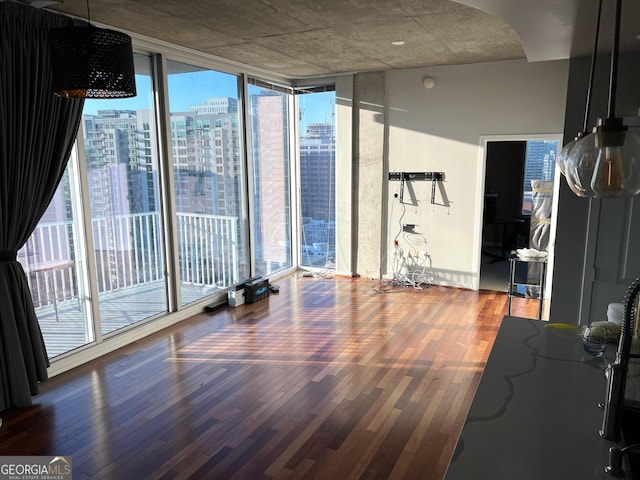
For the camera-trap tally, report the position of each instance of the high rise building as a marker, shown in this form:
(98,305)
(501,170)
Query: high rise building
(540,161)
(121,155)
(317,191)
(215,105)
(268,121)
(203,149)
(119,151)
(317,163)
(120,146)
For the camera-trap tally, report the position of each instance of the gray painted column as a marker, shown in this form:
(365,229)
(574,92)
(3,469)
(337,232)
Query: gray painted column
(573,214)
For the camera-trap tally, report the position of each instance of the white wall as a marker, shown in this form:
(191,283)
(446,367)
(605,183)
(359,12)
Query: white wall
(439,129)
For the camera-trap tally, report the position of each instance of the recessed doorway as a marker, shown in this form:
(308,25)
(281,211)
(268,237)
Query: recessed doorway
(519,203)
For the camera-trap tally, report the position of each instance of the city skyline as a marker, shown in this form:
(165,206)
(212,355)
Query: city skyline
(183,95)
(205,147)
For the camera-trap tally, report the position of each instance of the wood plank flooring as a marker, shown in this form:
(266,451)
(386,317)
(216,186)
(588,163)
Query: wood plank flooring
(329,379)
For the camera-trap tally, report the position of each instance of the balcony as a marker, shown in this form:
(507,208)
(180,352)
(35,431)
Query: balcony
(129,272)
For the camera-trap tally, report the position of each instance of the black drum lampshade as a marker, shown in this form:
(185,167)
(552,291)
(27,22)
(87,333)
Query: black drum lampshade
(92,62)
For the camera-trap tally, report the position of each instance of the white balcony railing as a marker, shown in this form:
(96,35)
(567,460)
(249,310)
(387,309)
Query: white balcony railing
(128,253)
(208,249)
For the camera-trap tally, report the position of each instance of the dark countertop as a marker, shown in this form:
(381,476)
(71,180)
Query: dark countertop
(535,414)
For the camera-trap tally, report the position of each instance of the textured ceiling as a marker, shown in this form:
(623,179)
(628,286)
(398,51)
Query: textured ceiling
(307,38)
(301,38)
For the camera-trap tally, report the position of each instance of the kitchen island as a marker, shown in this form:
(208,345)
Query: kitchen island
(535,415)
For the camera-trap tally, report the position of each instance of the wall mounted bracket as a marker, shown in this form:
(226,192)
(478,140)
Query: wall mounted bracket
(417,176)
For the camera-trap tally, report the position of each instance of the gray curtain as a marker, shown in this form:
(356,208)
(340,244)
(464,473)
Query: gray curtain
(37,131)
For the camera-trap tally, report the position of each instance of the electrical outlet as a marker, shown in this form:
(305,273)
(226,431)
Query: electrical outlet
(408,227)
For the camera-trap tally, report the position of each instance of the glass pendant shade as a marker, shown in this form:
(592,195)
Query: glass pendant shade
(581,163)
(563,156)
(91,62)
(606,164)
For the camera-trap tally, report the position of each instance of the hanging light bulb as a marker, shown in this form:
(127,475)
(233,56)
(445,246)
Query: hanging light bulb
(609,172)
(617,169)
(612,151)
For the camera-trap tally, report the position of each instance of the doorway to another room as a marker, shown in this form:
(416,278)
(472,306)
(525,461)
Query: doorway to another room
(519,204)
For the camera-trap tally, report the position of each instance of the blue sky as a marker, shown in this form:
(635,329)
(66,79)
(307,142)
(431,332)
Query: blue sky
(194,87)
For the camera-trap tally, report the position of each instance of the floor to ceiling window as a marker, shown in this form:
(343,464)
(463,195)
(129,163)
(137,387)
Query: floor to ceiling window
(124,202)
(100,261)
(317,179)
(208,176)
(268,132)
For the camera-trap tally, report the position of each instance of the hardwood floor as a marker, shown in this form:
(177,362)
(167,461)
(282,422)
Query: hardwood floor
(326,380)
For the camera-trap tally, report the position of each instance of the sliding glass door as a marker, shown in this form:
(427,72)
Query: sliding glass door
(208,176)
(318,179)
(270,179)
(124,202)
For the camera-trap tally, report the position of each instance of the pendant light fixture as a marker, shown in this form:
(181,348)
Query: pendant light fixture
(578,176)
(610,151)
(91,62)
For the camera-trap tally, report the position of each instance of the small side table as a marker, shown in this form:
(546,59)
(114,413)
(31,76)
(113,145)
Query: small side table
(533,284)
(49,269)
